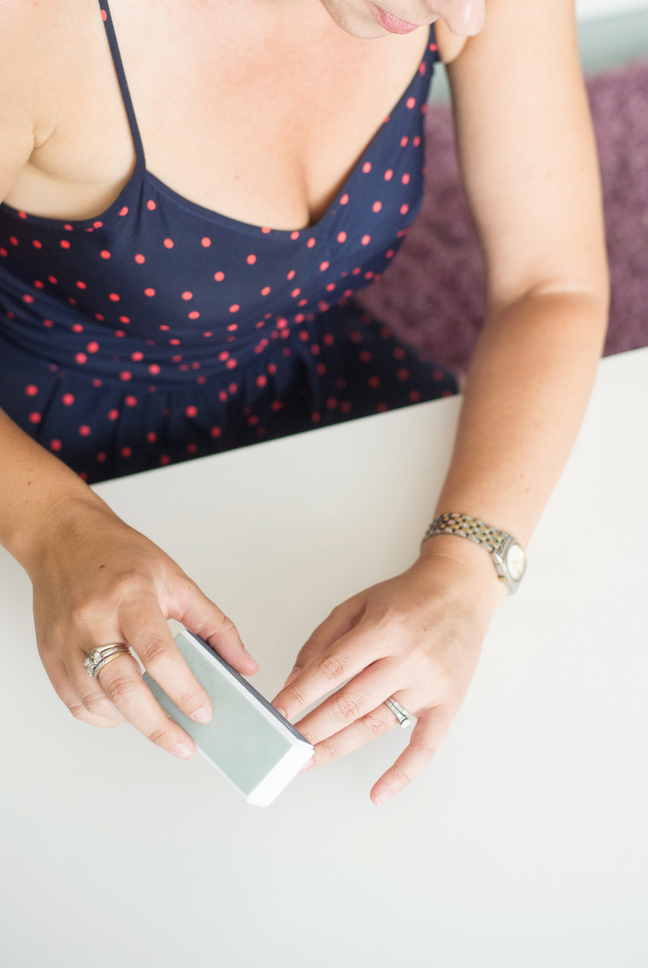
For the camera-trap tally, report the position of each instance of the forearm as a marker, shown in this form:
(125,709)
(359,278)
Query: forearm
(33,484)
(526,393)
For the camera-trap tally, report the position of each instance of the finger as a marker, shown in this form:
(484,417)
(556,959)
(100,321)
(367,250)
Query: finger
(122,680)
(60,679)
(362,731)
(341,620)
(344,659)
(145,629)
(200,615)
(427,736)
(363,694)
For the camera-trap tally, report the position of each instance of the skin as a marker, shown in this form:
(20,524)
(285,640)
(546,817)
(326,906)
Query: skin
(528,162)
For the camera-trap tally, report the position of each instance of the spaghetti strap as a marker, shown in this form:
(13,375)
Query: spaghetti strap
(123,85)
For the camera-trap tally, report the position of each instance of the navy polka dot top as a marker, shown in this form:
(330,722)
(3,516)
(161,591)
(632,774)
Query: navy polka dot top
(160,330)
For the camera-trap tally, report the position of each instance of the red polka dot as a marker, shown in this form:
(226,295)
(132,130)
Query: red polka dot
(234,308)
(92,347)
(68,227)
(64,244)
(119,332)
(232,387)
(31,390)
(265,291)
(96,382)
(365,356)
(341,236)
(437,375)
(422,67)
(344,200)
(261,380)
(149,292)
(137,356)
(251,259)
(191,411)
(81,358)
(27,298)
(310,243)
(125,375)
(219,276)
(165,459)
(402,374)
(55,444)
(36,244)
(113,414)
(151,205)
(140,259)
(187,295)
(294,235)
(215,431)
(404,141)
(416,141)
(404,209)
(373,381)
(410,102)
(126,452)
(193,315)
(84,430)
(366,167)
(168,243)
(68,399)
(192,448)
(265,229)
(324,266)
(295,293)
(3,253)
(154,369)
(389,253)
(130,401)
(113,297)
(47,322)
(433,46)
(231,364)
(104,15)
(124,210)
(376,206)
(151,436)
(331,403)
(105,254)
(223,355)
(366,239)
(414,396)
(14,240)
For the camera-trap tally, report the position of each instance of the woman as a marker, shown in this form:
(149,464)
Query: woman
(192,196)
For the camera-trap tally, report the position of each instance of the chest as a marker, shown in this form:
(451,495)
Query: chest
(261,123)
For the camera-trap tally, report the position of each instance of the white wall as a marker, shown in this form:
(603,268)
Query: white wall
(593,9)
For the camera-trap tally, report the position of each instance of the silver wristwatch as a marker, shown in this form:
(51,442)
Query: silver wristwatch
(507,553)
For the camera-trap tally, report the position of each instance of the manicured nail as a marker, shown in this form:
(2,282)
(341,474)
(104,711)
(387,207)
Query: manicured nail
(183,751)
(293,675)
(383,794)
(307,766)
(203,715)
(282,712)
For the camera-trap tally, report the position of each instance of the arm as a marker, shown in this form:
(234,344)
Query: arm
(528,160)
(96,581)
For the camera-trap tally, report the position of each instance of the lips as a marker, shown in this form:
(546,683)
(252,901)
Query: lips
(393,24)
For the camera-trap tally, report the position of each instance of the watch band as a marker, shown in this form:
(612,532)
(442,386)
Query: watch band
(507,553)
(468,527)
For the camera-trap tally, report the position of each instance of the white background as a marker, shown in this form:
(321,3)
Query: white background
(592,9)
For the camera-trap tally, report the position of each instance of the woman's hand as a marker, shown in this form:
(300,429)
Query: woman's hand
(97,581)
(415,638)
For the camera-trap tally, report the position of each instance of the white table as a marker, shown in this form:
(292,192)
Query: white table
(523,845)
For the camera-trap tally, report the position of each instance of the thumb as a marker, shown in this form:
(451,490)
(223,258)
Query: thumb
(200,615)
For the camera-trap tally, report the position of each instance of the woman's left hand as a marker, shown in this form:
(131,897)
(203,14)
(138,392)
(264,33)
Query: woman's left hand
(415,638)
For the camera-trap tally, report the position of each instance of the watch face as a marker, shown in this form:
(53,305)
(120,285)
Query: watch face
(515,561)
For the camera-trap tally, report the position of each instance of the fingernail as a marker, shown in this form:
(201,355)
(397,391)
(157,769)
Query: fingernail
(307,766)
(203,715)
(183,751)
(293,674)
(251,657)
(383,794)
(282,712)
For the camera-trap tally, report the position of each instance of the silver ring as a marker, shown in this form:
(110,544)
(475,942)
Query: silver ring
(97,659)
(404,718)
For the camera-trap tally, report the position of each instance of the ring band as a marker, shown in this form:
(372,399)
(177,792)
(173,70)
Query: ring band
(404,718)
(99,657)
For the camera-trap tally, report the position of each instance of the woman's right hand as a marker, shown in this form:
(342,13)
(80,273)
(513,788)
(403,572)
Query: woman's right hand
(96,582)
